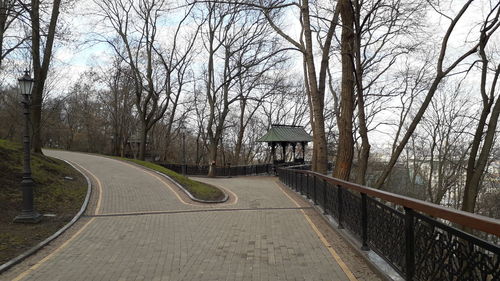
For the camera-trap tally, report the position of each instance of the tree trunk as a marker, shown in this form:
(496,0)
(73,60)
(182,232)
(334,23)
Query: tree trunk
(241,133)
(4,14)
(473,180)
(143,140)
(311,115)
(345,149)
(317,99)
(364,154)
(475,169)
(213,159)
(40,66)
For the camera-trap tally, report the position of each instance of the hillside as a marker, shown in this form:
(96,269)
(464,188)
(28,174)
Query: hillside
(53,195)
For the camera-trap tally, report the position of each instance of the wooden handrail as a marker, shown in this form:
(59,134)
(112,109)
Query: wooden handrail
(475,221)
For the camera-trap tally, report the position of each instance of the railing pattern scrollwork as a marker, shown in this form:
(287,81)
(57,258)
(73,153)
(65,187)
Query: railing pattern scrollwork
(420,243)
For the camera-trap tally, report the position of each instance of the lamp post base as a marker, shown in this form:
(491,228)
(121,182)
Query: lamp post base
(28,217)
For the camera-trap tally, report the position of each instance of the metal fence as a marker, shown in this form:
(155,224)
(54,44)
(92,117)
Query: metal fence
(226,171)
(416,245)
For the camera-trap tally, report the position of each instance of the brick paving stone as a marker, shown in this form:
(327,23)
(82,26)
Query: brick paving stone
(262,244)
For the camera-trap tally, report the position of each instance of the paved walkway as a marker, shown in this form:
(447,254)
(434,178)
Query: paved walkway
(138,228)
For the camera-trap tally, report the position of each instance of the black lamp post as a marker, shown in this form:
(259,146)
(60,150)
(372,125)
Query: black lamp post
(28,213)
(184,148)
(184,166)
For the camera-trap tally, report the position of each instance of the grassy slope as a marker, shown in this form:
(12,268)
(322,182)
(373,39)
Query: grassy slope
(53,195)
(197,189)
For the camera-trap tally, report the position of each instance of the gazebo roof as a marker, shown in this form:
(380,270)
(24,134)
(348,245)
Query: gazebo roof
(285,133)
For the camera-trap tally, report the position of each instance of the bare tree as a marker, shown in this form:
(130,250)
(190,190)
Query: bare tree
(286,105)
(383,32)
(42,43)
(253,89)
(11,37)
(241,39)
(345,151)
(176,63)
(136,24)
(118,101)
(440,74)
(315,80)
(440,145)
(485,132)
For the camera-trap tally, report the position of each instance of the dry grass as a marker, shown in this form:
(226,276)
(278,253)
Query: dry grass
(53,195)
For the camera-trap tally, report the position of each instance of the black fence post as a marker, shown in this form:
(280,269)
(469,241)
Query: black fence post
(304,186)
(288,177)
(307,183)
(315,197)
(364,222)
(410,243)
(308,191)
(324,197)
(296,181)
(339,205)
(308,186)
(301,183)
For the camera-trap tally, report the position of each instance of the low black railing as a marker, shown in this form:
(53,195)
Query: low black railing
(225,171)
(416,245)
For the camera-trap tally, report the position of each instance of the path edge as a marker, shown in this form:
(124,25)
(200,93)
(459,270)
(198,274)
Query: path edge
(9,264)
(191,196)
(347,237)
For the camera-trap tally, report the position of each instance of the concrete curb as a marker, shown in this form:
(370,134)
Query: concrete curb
(191,196)
(4,267)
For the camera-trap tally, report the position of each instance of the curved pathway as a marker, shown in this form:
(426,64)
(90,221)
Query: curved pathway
(139,229)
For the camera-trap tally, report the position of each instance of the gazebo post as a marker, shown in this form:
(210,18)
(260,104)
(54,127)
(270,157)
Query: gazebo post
(293,150)
(273,151)
(304,144)
(283,146)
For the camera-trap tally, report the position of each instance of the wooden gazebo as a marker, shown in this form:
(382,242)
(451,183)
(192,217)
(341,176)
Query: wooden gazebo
(284,136)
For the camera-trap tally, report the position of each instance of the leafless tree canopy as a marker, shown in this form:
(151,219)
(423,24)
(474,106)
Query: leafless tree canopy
(400,95)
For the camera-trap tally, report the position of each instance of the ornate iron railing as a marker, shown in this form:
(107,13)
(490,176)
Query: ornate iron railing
(416,237)
(225,171)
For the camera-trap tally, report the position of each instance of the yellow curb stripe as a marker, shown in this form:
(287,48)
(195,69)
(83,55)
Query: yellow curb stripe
(99,189)
(165,182)
(162,180)
(337,258)
(218,185)
(42,261)
(66,243)
(334,254)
